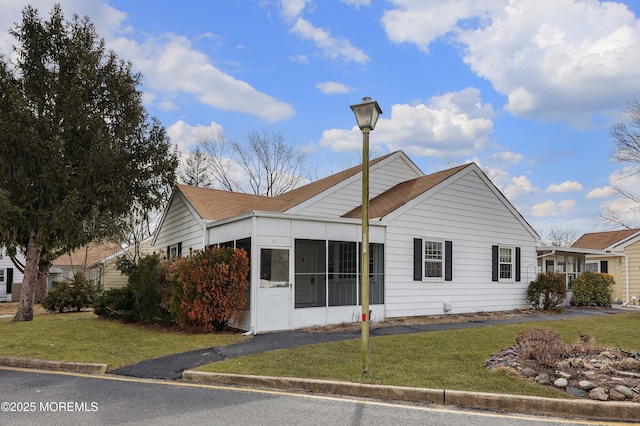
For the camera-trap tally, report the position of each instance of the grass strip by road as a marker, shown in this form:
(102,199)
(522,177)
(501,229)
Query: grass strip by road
(451,360)
(82,337)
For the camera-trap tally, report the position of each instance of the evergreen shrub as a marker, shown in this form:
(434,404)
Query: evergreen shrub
(592,289)
(548,291)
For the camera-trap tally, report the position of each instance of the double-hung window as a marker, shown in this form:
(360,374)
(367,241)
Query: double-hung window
(505,265)
(433,259)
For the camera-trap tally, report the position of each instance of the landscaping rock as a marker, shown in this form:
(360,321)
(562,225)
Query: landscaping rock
(561,383)
(590,372)
(599,394)
(616,396)
(543,379)
(628,393)
(586,385)
(575,391)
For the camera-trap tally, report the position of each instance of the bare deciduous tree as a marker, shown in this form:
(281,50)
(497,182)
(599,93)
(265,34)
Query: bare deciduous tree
(265,165)
(626,140)
(559,237)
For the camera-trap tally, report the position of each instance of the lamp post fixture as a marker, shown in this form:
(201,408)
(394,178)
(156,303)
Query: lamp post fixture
(367,113)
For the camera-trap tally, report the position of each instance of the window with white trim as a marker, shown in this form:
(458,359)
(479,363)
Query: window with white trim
(174,251)
(592,266)
(433,259)
(505,262)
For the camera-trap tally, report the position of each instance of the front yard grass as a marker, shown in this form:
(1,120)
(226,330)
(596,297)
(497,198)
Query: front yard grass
(451,360)
(82,337)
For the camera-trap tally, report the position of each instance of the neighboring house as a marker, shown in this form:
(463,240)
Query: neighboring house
(449,242)
(10,276)
(98,261)
(617,253)
(570,261)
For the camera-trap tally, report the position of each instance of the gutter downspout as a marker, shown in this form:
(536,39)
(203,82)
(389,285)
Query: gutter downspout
(546,254)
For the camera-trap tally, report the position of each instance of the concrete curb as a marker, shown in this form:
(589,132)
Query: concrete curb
(43,364)
(573,408)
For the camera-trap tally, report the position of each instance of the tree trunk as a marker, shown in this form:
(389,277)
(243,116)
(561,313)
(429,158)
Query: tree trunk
(43,282)
(25,307)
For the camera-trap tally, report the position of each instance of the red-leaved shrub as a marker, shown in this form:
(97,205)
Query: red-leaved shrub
(209,289)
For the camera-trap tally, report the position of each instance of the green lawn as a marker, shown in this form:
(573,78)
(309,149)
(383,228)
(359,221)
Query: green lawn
(440,360)
(82,337)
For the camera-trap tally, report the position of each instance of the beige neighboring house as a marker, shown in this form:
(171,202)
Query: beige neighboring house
(98,261)
(619,256)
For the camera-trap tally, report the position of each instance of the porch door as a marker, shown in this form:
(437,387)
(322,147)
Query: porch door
(274,309)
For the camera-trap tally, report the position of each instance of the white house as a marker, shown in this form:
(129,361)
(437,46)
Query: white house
(448,242)
(9,275)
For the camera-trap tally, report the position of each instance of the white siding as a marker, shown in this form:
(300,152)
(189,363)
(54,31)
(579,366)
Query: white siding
(180,226)
(5,265)
(348,195)
(470,215)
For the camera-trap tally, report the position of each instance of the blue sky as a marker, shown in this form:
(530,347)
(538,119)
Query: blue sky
(528,89)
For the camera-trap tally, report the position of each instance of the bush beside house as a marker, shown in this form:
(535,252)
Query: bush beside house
(593,289)
(75,295)
(206,290)
(548,291)
(210,288)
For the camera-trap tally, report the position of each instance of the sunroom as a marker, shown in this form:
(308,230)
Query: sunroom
(304,271)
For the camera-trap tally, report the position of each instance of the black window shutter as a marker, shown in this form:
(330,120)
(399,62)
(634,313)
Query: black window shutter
(169,252)
(417,259)
(448,261)
(9,279)
(517,263)
(494,263)
(179,249)
(604,266)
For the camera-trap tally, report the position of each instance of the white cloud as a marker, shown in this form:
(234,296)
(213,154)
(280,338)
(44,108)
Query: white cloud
(106,18)
(558,59)
(504,158)
(357,3)
(332,47)
(449,126)
(332,87)
(171,66)
(553,59)
(169,63)
(186,136)
(291,9)
(551,208)
(422,21)
(566,186)
(520,186)
(603,192)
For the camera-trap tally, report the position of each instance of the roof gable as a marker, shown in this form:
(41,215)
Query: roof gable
(215,204)
(603,240)
(306,192)
(402,193)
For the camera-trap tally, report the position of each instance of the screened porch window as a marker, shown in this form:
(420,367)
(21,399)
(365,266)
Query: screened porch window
(327,273)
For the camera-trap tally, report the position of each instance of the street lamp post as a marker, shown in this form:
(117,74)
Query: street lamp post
(367,113)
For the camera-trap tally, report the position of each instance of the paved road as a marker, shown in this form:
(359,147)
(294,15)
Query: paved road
(72,399)
(171,367)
